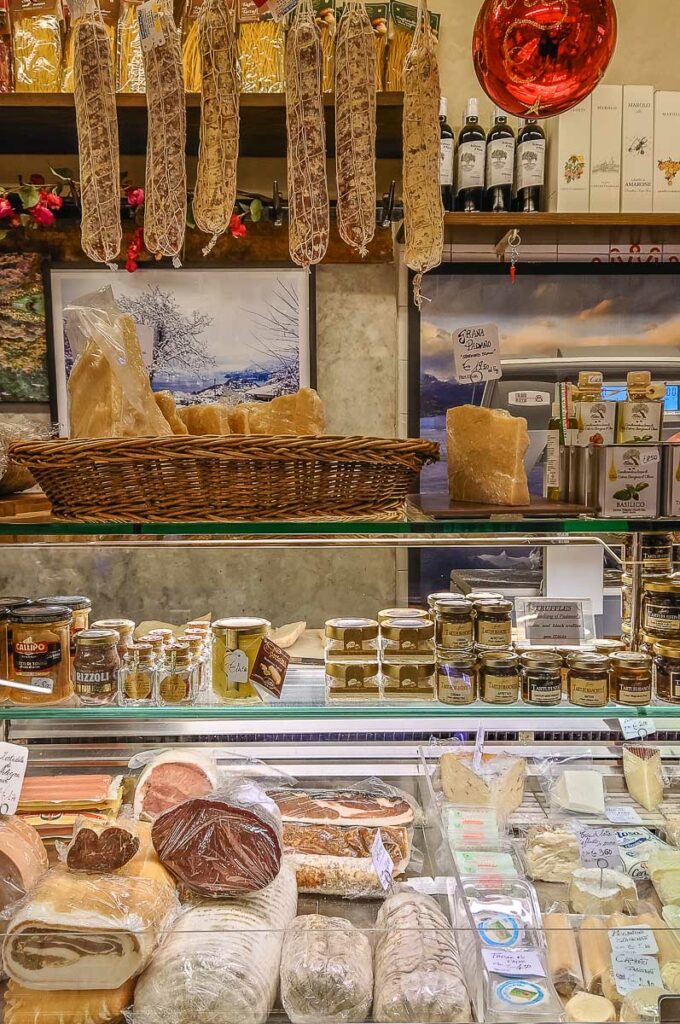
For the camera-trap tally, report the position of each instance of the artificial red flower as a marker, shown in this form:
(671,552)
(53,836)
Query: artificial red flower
(37,179)
(130,265)
(50,199)
(6,208)
(237,227)
(134,196)
(42,216)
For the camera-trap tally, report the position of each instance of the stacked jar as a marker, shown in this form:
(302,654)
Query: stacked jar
(177,678)
(407,652)
(352,660)
(656,563)
(454,640)
(661,634)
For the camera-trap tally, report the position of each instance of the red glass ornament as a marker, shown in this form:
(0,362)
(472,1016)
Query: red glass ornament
(538,58)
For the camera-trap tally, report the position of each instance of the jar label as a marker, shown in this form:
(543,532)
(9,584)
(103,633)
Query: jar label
(499,689)
(137,686)
(236,667)
(36,655)
(95,682)
(630,691)
(174,689)
(658,616)
(454,635)
(543,689)
(454,686)
(675,685)
(588,693)
(494,634)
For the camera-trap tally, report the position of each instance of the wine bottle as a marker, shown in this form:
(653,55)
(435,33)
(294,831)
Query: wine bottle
(500,164)
(552,482)
(446,156)
(471,159)
(530,167)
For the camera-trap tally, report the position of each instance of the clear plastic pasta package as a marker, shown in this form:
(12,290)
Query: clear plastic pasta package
(261,49)
(130,65)
(402,27)
(469,778)
(109,10)
(191,60)
(37,27)
(572,786)
(6,63)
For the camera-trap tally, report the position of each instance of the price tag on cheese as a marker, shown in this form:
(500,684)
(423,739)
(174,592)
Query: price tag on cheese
(634,941)
(514,963)
(476,354)
(623,815)
(382,862)
(478,751)
(13,761)
(633,971)
(637,728)
(599,848)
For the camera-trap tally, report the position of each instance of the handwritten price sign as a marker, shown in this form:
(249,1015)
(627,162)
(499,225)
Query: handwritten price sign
(476,354)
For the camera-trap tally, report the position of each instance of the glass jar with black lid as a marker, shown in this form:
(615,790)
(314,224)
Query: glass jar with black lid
(541,677)
(493,624)
(498,674)
(667,672)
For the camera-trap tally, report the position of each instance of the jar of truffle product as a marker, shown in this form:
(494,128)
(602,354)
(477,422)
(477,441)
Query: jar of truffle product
(588,680)
(6,606)
(352,681)
(608,647)
(442,595)
(454,625)
(656,554)
(484,595)
(40,656)
(125,629)
(493,624)
(137,677)
(566,653)
(80,613)
(456,677)
(351,639)
(661,608)
(626,597)
(157,645)
(409,680)
(96,666)
(667,672)
(177,681)
(541,677)
(499,677)
(236,645)
(401,613)
(407,639)
(630,678)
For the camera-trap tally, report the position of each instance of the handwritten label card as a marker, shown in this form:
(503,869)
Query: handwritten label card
(13,761)
(476,354)
(561,620)
(637,728)
(633,971)
(382,862)
(633,941)
(623,815)
(514,963)
(599,848)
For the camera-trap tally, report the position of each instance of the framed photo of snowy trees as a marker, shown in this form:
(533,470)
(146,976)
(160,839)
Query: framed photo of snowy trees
(209,335)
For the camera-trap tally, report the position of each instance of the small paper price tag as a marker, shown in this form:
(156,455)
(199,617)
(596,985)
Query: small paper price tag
(382,862)
(633,941)
(599,848)
(637,728)
(13,761)
(478,751)
(633,971)
(236,667)
(514,963)
(623,815)
(476,354)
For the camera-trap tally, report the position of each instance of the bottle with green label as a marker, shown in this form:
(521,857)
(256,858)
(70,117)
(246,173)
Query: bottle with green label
(640,416)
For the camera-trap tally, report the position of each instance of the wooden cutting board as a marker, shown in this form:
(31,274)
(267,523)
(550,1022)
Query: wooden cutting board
(438,505)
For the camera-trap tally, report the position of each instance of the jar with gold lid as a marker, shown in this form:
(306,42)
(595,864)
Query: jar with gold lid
(667,672)
(485,595)
(630,678)
(137,676)
(541,677)
(498,674)
(661,608)
(352,681)
(236,645)
(125,629)
(401,613)
(409,680)
(588,680)
(454,625)
(493,624)
(6,606)
(40,657)
(407,639)
(80,613)
(96,666)
(177,681)
(442,595)
(608,646)
(456,677)
(352,639)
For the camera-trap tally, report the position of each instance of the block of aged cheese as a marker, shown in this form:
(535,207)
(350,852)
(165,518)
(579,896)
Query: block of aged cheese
(486,449)
(563,958)
(499,782)
(596,891)
(644,778)
(166,404)
(581,792)
(593,1009)
(672,828)
(301,413)
(595,953)
(664,870)
(206,419)
(642,1004)
(552,853)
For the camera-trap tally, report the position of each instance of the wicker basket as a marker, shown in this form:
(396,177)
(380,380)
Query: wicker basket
(212,479)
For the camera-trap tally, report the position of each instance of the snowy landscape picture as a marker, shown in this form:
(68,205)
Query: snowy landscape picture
(226,335)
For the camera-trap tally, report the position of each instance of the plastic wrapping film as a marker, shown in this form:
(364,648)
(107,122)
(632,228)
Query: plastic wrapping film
(23,861)
(563,956)
(109,390)
(326,971)
(102,846)
(78,931)
(229,843)
(551,851)
(261,50)
(50,793)
(13,428)
(170,777)
(573,787)
(220,962)
(37,48)
(96,1006)
(130,63)
(663,866)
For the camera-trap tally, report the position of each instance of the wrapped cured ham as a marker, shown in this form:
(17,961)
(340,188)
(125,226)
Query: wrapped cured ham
(101,846)
(227,844)
(172,777)
(354,841)
(418,974)
(326,971)
(84,932)
(373,804)
(101,1006)
(23,859)
(220,962)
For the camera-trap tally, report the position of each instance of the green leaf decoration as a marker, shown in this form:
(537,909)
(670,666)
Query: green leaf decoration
(29,196)
(65,173)
(256,210)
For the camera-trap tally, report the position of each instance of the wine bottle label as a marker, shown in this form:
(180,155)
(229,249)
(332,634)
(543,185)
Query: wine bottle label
(500,162)
(446,151)
(471,164)
(530,163)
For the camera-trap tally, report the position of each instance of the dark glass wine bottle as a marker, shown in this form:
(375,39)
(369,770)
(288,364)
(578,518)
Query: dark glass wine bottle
(500,164)
(530,167)
(446,156)
(471,159)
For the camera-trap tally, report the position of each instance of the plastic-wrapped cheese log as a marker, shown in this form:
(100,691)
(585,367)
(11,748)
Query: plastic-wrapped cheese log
(326,971)
(221,962)
(418,976)
(565,966)
(229,843)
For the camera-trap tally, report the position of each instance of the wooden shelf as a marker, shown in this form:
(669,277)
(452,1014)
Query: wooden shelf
(563,220)
(46,123)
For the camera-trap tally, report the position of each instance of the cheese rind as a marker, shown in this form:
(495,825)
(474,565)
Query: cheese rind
(486,449)
(563,958)
(601,891)
(499,782)
(644,778)
(581,792)
(589,1008)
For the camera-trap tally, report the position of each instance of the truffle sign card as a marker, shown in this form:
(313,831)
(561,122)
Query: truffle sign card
(555,620)
(476,353)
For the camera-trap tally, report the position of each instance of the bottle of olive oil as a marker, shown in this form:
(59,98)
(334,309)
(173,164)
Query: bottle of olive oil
(595,417)
(640,417)
(552,486)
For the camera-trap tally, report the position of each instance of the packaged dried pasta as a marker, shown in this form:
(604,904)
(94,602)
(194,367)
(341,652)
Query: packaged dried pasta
(403,22)
(327,21)
(191,60)
(6,69)
(130,76)
(261,47)
(379,15)
(109,13)
(37,44)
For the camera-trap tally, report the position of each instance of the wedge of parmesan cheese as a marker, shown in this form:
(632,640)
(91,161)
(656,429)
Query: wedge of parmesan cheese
(486,449)
(499,782)
(644,778)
